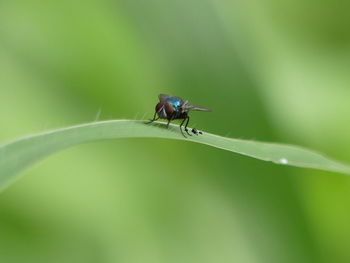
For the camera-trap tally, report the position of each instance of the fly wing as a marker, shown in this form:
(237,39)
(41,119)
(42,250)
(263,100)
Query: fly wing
(163,97)
(188,106)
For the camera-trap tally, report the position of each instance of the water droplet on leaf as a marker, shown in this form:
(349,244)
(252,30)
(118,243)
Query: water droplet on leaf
(283,161)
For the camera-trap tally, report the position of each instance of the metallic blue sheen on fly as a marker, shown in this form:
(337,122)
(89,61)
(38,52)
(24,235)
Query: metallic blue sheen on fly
(176,102)
(173,108)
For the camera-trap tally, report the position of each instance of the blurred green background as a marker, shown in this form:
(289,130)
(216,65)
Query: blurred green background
(271,70)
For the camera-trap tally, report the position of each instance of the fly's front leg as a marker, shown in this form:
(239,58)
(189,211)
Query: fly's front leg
(181,128)
(154,118)
(186,130)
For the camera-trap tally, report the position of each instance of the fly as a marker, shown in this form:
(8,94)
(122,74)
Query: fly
(174,108)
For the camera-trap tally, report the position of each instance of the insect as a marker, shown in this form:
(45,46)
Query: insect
(174,108)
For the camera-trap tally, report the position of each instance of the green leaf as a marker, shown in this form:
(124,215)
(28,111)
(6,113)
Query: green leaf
(24,152)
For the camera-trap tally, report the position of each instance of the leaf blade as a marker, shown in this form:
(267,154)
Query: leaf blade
(19,154)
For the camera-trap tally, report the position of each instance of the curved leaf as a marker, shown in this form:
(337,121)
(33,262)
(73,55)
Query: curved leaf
(21,153)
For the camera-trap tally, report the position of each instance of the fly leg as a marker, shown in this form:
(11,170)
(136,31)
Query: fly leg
(169,120)
(186,130)
(181,127)
(167,125)
(154,118)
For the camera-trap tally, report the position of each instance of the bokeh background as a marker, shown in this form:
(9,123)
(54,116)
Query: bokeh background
(271,70)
